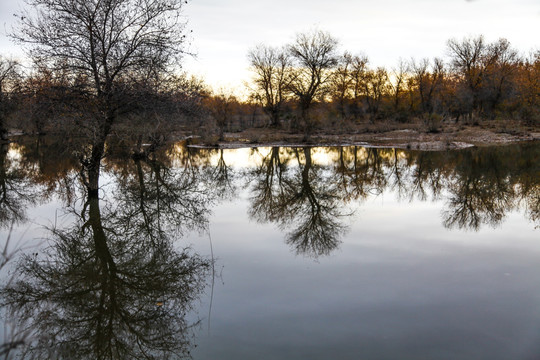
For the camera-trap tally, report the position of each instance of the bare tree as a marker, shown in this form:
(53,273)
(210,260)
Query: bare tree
(501,60)
(529,88)
(376,84)
(315,55)
(222,107)
(342,82)
(358,75)
(110,43)
(427,79)
(399,81)
(467,56)
(8,75)
(271,68)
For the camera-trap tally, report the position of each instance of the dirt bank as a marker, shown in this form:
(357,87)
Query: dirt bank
(449,137)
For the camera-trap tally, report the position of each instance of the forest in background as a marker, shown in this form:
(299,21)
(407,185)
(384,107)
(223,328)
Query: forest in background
(304,87)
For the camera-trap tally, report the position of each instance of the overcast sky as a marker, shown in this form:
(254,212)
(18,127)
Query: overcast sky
(384,30)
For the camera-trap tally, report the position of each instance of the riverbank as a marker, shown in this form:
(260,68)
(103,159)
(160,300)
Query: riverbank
(385,134)
(407,136)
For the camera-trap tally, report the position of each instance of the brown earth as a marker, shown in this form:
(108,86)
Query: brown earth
(410,136)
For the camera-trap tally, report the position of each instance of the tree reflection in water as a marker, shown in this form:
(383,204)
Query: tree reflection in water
(16,190)
(488,183)
(113,285)
(299,198)
(157,198)
(479,187)
(480,193)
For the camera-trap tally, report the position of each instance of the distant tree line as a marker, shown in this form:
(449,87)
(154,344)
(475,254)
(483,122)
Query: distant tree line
(308,81)
(135,87)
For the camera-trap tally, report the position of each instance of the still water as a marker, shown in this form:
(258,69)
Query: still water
(272,253)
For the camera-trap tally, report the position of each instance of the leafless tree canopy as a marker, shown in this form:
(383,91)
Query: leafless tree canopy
(302,69)
(104,39)
(8,75)
(315,54)
(478,80)
(272,76)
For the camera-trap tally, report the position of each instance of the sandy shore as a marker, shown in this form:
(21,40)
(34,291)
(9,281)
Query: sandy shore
(403,138)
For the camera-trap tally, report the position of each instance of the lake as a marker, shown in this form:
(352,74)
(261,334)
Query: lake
(272,253)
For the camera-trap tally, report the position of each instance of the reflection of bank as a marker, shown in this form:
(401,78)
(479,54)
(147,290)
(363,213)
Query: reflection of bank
(479,185)
(112,284)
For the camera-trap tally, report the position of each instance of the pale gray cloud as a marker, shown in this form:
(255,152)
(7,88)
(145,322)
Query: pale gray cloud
(7,9)
(385,30)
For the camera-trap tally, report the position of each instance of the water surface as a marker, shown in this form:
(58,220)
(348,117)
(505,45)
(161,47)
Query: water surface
(275,253)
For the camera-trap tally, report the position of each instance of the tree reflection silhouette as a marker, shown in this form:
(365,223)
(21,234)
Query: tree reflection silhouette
(267,187)
(360,172)
(479,187)
(299,198)
(113,285)
(533,206)
(480,191)
(16,191)
(222,177)
(155,197)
